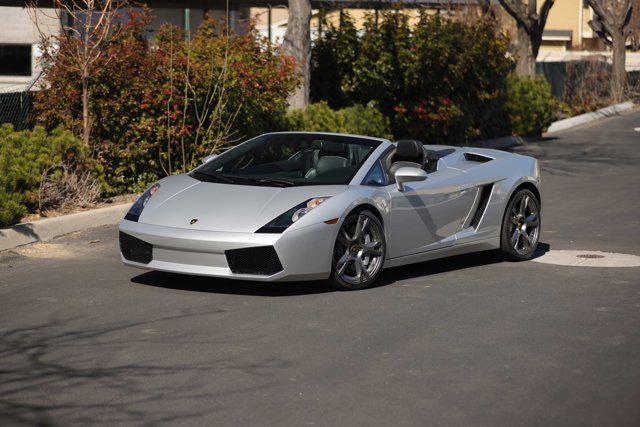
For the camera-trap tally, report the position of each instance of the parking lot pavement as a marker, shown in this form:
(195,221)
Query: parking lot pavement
(466,340)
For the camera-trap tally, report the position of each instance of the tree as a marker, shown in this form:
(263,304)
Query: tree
(530,24)
(634,37)
(87,26)
(613,26)
(297,43)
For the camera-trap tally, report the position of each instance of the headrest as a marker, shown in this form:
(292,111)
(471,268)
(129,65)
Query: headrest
(333,147)
(409,148)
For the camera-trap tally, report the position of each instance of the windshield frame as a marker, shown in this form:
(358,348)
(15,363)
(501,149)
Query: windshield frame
(210,168)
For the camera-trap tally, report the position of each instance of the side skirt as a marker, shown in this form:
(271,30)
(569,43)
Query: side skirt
(477,246)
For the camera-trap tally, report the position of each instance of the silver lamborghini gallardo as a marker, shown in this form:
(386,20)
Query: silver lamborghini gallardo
(301,206)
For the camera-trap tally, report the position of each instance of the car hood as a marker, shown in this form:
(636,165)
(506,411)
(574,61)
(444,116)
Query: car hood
(224,207)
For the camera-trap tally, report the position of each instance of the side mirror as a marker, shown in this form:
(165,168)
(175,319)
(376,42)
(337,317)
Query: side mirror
(209,158)
(409,174)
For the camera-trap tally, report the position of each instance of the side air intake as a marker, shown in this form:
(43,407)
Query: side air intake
(485,192)
(477,158)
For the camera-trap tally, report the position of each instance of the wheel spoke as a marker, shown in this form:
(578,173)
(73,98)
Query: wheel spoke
(523,206)
(515,236)
(364,273)
(343,239)
(372,248)
(342,263)
(363,223)
(531,219)
(359,267)
(358,229)
(525,241)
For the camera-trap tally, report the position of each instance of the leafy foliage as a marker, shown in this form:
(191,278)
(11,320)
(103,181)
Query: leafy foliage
(332,60)
(357,120)
(441,81)
(531,105)
(26,157)
(157,108)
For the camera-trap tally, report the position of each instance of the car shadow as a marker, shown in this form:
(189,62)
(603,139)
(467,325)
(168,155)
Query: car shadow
(183,282)
(444,265)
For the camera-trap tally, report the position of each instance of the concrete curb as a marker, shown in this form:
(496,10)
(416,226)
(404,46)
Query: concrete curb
(613,110)
(48,228)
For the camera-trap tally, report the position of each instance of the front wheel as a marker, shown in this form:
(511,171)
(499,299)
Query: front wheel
(359,252)
(521,226)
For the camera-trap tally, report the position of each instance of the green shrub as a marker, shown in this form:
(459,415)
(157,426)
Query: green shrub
(440,81)
(365,120)
(11,210)
(318,117)
(332,63)
(25,158)
(530,105)
(357,120)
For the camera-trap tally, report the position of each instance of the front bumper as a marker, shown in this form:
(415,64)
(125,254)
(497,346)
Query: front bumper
(304,254)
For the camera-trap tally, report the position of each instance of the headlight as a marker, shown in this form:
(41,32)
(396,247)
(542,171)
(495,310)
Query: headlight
(282,222)
(138,206)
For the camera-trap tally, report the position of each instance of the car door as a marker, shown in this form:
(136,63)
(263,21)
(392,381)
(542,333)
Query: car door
(428,214)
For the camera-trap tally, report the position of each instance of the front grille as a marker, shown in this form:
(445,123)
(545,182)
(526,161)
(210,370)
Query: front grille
(134,249)
(261,260)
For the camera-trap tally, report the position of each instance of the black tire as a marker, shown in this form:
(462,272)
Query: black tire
(521,226)
(365,252)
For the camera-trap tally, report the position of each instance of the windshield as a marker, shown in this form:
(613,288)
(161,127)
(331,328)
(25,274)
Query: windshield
(289,160)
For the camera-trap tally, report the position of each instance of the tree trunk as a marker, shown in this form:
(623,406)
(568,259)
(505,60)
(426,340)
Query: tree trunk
(86,123)
(297,43)
(526,65)
(619,73)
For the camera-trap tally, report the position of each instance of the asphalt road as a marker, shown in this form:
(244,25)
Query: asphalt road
(466,340)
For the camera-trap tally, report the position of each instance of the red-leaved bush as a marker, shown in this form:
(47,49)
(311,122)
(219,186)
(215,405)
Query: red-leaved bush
(158,106)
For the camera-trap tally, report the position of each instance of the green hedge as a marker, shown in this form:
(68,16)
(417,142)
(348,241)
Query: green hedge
(530,105)
(357,120)
(440,81)
(24,157)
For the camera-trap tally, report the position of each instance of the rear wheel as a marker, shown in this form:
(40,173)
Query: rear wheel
(359,252)
(521,226)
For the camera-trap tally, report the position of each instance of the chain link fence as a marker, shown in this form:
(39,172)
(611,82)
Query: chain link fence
(15,104)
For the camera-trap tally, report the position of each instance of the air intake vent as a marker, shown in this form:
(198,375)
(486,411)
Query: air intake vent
(261,260)
(485,192)
(134,249)
(478,158)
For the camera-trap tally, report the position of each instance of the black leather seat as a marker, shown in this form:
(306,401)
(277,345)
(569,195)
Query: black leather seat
(408,153)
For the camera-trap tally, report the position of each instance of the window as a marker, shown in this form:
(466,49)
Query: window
(15,60)
(375,177)
(290,159)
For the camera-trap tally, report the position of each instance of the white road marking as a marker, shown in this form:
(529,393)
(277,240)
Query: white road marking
(636,129)
(588,259)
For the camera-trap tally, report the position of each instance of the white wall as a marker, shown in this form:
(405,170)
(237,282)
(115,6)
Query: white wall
(17,27)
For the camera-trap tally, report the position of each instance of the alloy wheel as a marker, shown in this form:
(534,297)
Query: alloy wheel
(524,224)
(359,250)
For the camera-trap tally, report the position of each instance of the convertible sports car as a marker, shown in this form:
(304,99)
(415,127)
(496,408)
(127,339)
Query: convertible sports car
(301,206)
